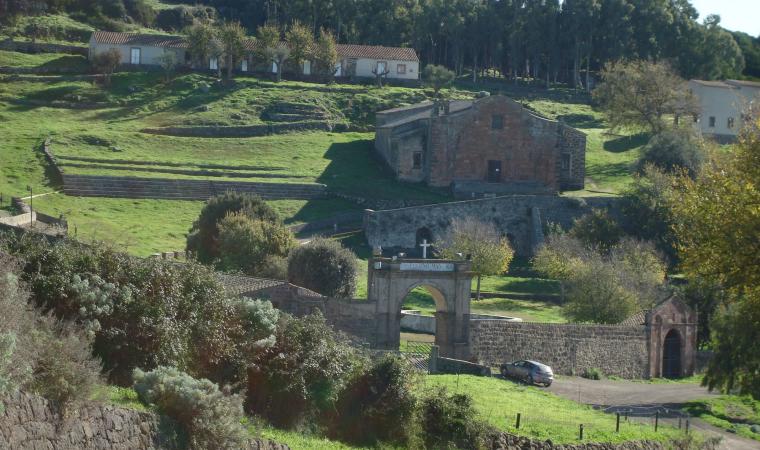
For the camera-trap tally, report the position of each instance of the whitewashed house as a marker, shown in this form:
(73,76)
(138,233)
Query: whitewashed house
(362,61)
(722,106)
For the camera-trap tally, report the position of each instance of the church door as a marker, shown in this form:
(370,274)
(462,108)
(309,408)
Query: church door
(671,355)
(494,171)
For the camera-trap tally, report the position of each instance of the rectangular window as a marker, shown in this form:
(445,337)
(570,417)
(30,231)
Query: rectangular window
(134,56)
(244,65)
(381,65)
(497,122)
(401,69)
(567,163)
(417,160)
(712,122)
(730,123)
(213,63)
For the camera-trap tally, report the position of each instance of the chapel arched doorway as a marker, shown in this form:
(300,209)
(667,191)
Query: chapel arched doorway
(671,355)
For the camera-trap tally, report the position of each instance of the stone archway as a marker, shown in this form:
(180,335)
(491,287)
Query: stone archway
(449,282)
(671,354)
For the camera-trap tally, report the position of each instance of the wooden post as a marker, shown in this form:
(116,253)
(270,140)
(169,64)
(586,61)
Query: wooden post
(656,419)
(517,423)
(617,422)
(687,426)
(580,432)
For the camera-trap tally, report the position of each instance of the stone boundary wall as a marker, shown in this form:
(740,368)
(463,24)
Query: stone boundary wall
(182,189)
(439,364)
(338,222)
(507,441)
(245,130)
(32,422)
(568,348)
(42,47)
(511,214)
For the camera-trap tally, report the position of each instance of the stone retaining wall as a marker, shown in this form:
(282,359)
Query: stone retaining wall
(31,422)
(567,348)
(506,441)
(42,47)
(245,130)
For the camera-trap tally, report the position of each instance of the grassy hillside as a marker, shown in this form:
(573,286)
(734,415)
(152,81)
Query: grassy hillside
(106,138)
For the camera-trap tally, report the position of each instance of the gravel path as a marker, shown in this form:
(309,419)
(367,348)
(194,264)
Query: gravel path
(620,394)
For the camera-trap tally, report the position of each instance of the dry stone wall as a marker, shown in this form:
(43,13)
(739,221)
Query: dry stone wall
(31,422)
(506,441)
(567,348)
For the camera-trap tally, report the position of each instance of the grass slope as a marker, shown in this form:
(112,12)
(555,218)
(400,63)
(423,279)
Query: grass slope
(738,414)
(543,414)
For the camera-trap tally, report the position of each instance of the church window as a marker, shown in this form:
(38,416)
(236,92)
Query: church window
(213,63)
(417,160)
(567,161)
(497,122)
(730,122)
(712,122)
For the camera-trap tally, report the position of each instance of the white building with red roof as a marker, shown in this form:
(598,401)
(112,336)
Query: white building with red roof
(723,105)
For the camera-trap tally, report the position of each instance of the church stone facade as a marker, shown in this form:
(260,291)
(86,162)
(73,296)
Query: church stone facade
(490,145)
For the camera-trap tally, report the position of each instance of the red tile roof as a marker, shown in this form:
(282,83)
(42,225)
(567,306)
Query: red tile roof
(167,41)
(376,52)
(151,40)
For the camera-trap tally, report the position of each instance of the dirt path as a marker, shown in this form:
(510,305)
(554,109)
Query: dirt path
(620,394)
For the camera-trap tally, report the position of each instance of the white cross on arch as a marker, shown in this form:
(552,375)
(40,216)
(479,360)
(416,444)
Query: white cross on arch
(425,246)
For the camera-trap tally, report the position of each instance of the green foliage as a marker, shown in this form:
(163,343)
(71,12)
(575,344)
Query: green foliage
(326,54)
(106,62)
(737,414)
(301,43)
(592,374)
(203,238)
(89,298)
(209,418)
(437,77)
(642,94)
(597,230)
(672,151)
(376,402)
(201,43)
(231,36)
(450,421)
(248,245)
(168,62)
(324,266)
(300,377)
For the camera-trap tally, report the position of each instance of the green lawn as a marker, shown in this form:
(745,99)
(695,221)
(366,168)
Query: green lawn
(732,412)
(49,61)
(543,414)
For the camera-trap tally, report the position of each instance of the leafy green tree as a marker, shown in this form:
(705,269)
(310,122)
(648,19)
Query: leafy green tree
(245,243)
(203,238)
(272,48)
(597,230)
(323,265)
(437,77)
(451,421)
(300,41)
(326,54)
(202,43)
(106,63)
(231,36)
(673,151)
(643,94)
(489,251)
(298,380)
(168,62)
(717,224)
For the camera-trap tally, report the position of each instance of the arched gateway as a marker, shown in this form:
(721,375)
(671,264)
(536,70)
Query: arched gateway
(449,282)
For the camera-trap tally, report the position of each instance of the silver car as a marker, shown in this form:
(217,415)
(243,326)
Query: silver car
(531,372)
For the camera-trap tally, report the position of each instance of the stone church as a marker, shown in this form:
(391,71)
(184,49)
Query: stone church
(491,145)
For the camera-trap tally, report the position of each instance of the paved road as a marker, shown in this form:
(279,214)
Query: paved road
(619,394)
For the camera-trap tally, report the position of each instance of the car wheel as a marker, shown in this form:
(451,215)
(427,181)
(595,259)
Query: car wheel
(548,384)
(530,380)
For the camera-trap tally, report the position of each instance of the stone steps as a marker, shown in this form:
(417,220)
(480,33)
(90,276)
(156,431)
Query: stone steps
(129,187)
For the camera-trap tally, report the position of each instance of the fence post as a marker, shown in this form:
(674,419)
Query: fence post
(617,422)
(517,423)
(687,426)
(656,419)
(679,423)
(580,432)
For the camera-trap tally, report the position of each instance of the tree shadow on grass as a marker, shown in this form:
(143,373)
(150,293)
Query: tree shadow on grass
(69,63)
(625,143)
(581,120)
(610,170)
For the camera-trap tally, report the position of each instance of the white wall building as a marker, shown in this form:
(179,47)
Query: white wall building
(722,106)
(367,60)
(138,49)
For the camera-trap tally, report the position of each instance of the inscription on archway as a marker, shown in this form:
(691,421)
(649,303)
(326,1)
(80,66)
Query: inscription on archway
(390,280)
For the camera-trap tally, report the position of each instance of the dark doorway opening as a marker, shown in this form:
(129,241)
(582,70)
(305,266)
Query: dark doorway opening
(671,355)
(494,171)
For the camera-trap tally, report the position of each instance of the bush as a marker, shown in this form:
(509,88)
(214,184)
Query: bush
(203,237)
(246,244)
(140,12)
(592,374)
(174,19)
(597,229)
(377,404)
(207,417)
(323,265)
(300,376)
(451,421)
(673,150)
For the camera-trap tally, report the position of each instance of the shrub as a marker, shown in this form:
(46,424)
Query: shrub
(597,229)
(301,375)
(451,421)
(207,417)
(174,19)
(592,374)
(323,265)
(203,237)
(140,11)
(106,62)
(673,150)
(245,244)
(376,402)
